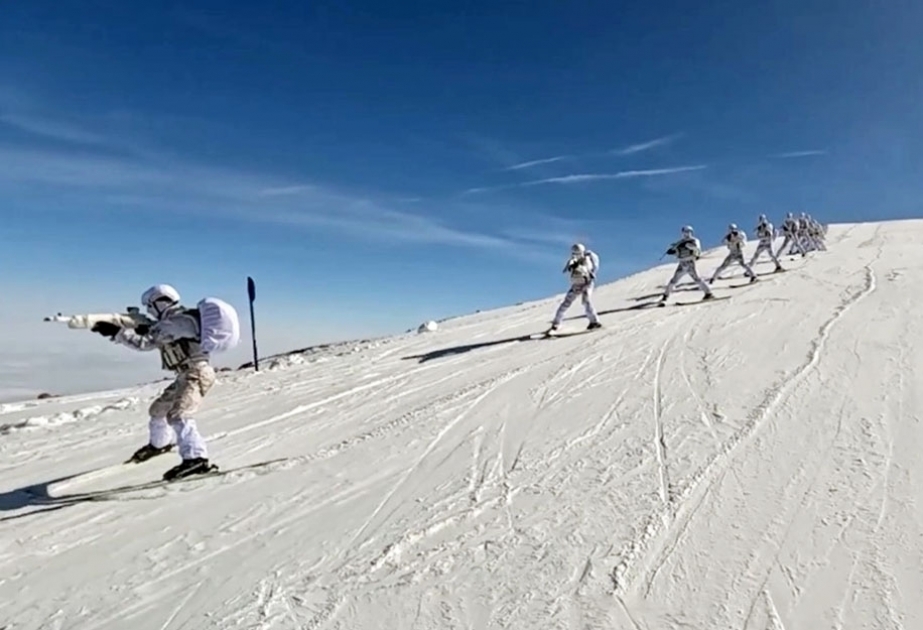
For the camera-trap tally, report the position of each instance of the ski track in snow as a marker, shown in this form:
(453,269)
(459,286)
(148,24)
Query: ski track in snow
(751,466)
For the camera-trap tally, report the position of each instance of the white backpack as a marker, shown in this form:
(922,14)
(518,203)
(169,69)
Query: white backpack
(219,325)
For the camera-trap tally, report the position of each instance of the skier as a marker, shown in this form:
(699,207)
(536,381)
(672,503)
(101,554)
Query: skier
(582,266)
(817,233)
(179,333)
(687,250)
(809,233)
(766,233)
(792,240)
(735,241)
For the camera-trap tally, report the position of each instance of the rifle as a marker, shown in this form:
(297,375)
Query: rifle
(130,319)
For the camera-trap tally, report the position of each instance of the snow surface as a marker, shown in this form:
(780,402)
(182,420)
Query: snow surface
(748,464)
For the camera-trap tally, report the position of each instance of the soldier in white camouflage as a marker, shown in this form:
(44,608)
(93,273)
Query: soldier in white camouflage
(176,334)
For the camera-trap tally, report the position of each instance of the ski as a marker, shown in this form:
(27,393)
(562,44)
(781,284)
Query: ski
(572,333)
(110,493)
(714,299)
(93,475)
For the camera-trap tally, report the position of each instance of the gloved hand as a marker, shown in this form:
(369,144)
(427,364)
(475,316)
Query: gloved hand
(143,329)
(106,329)
(671,251)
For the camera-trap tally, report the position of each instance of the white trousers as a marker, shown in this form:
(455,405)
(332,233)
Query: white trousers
(585,291)
(181,431)
(685,268)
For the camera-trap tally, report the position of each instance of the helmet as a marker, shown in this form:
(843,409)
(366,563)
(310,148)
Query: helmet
(159,293)
(578,249)
(687,230)
(732,226)
(763,218)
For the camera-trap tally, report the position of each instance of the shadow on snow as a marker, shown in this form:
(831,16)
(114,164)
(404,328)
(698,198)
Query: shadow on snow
(447,352)
(36,495)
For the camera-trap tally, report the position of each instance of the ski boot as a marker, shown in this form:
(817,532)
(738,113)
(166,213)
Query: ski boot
(594,326)
(189,467)
(148,451)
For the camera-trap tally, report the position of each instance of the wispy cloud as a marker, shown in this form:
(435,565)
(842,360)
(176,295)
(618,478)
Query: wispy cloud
(647,146)
(284,191)
(592,177)
(797,154)
(52,129)
(522,165)
(156,182)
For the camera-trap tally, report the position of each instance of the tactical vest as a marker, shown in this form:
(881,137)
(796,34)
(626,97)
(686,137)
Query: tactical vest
(686,248)
(174,355)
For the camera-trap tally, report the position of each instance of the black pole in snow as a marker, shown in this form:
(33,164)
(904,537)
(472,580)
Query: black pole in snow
(251,291)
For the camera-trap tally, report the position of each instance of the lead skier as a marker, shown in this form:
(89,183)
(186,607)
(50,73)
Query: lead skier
(176,334)
(582,266)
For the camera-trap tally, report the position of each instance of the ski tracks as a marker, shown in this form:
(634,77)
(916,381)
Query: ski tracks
(484,390)
(644,556)
(660,444)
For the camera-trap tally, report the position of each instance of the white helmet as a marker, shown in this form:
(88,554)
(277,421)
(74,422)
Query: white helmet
(159,293)
(687,230)
(578,249)
(732,227)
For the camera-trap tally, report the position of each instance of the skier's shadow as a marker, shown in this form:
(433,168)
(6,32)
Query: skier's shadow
(634,307)
(447,352)
(36,495)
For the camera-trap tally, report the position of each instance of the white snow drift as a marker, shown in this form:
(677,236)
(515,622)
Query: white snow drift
(427,327)
(747,464)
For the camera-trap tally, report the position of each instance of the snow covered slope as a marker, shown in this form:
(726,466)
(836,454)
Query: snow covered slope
(747,464)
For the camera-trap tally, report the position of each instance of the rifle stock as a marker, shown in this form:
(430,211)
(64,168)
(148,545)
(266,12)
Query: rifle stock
(130,319)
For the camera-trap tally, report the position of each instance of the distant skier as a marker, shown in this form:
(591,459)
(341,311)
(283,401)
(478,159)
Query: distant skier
(184,338)
(817,233)
(582,267)
(735,240)
(687,250)
(810,233)
(765,232)
(792,240)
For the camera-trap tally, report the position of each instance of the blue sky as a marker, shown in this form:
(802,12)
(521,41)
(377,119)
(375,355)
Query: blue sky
(376,164)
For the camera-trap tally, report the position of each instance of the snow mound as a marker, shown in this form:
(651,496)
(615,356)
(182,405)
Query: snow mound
(747,463)
(428,327)
(83,414)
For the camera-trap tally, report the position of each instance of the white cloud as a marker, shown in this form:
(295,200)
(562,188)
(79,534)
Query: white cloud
(146,180)
(283,191)
(647,146)
(522,165)
(797,154)
(53,129)
(592,177)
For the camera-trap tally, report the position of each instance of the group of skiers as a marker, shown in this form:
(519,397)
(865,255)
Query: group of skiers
(187,337)
(801,235)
